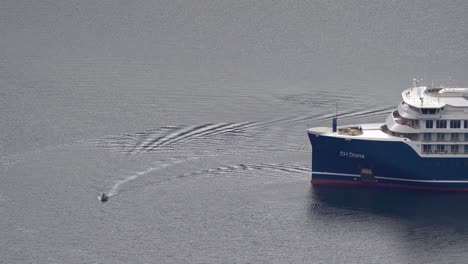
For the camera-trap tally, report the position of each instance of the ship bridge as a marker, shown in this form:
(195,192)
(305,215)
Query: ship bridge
(426,98)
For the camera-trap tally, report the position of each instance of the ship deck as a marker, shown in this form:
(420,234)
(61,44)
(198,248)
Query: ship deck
(363,131)
(423,97)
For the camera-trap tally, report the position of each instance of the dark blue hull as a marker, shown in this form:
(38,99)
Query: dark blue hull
(383,163)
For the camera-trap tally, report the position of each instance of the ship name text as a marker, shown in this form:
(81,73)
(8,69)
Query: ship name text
(347,154)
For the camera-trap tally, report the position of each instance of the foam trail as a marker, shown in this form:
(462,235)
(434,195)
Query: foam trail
(115,189)
(287,168)
(273,167)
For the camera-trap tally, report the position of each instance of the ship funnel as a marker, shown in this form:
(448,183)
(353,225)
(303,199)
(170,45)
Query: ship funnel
(334,123)
(335,119)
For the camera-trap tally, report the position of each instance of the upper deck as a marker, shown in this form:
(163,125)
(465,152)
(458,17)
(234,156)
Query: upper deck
(423,97)
(371,131)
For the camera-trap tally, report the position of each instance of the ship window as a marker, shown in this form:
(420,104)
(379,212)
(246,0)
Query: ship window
(414,109)
(465,123)
(429,123)
(427,136)
(455,123)
(441,123)
(454,148)
(466,136)
(429,111)
(440,148)
(455,137)
(427,148)
(440,136)
(414,123)
(466,148)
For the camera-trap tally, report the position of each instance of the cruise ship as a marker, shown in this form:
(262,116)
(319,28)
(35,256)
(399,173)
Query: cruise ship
(423,144)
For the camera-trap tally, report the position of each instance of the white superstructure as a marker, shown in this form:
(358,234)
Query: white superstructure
(433,121)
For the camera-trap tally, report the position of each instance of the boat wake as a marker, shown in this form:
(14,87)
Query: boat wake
(170,136)
(166,137)
(115,189)
(294,168)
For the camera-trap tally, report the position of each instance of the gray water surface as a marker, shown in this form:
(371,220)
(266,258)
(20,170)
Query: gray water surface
(192,115)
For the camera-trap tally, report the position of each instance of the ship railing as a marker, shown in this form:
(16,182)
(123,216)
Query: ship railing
(405,121)
(435,140)
(413,137)
(445,152)
(447,138)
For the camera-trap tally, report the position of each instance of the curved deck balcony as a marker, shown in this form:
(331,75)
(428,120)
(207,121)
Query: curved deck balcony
(414,123)
(410,136)
(407,112)
(399,124)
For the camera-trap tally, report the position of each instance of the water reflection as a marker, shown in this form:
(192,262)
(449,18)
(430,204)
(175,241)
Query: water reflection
(431,227)
(441,209)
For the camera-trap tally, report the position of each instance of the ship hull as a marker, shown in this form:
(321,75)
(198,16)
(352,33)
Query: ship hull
(389,164)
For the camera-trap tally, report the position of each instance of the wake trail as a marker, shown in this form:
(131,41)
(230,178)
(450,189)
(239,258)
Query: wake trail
(317,117)
(116,187)
(174,134)
(296,169)
(291,169)
(200,130)
(145,138)
(222,129)
(367,113)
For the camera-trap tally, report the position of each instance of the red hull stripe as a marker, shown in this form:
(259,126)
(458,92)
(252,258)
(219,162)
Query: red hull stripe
(387,185)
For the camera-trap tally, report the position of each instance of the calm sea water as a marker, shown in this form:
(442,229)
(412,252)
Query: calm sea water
(192,115)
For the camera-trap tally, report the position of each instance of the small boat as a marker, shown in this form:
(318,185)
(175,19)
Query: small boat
(104,197)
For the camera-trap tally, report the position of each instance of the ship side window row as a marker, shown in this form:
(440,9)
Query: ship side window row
(444,149)
(426,111)
(454,137)
(443,123)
